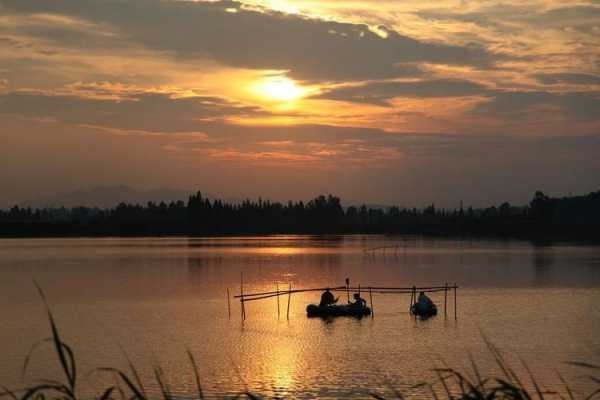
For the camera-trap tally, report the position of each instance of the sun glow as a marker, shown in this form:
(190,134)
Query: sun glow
(279,89)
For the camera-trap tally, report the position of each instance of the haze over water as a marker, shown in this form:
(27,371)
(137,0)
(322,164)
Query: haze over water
(155,298)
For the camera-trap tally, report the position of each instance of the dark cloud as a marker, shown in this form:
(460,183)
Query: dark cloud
(152,112)
(491,17)
(380,92)
(502,17)
(66,36)
(576,105)
(571,78)
(311,49)
(355,143)
(573,12)
(14,43)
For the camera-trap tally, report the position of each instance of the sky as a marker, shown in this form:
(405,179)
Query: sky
(397,102)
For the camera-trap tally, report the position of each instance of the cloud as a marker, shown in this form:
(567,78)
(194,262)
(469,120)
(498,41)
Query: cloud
(177,74)
(569,14)
(131,109)
(504,16)
(197,125)
(534,105)
(410,169)
(569,78)
(379,93)
(311,49)
(14,43)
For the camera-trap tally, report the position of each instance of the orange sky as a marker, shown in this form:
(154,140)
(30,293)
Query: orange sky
(403,102)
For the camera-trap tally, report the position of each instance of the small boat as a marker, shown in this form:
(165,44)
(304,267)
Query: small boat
(423,312)
(335,310)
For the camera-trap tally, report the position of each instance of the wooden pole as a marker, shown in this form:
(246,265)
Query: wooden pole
(412,294)
(242,295)
(348,289)
(289,298)
(445,299)
(414,298)
(277,284)
(455,315)
(228,304)
(371,300)
(376,289)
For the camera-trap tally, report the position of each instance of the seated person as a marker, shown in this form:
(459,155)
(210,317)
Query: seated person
(327,298)
(424,302)
(359,301)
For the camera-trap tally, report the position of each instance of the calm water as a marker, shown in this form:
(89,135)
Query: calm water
(154,298)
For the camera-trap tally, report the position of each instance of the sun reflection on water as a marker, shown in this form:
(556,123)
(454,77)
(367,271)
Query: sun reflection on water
(281,251)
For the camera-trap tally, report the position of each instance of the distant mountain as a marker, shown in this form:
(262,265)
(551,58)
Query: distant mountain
(107,197)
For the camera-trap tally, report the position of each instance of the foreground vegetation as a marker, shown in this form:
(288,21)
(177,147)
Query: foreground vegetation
(451,384)
(544,217)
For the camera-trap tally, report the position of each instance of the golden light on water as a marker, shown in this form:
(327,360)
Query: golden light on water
(282,251)
(278,88)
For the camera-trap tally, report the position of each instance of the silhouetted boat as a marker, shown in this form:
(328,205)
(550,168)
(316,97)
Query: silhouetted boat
(335,310)
(423,312)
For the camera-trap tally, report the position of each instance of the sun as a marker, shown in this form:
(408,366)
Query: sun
(279,89)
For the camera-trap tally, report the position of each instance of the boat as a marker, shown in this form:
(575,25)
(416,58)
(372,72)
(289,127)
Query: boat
(423,312)
(335,310)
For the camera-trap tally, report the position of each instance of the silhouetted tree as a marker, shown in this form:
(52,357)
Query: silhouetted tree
(572,216)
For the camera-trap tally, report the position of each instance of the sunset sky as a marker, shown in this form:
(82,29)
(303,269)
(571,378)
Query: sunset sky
(406,102)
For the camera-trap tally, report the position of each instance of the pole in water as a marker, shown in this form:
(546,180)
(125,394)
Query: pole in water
(228,304)
(289,298)
(277,284)
(348,289)
(455,317)
(414,299)
(371,300)
(242,295)
(445,299)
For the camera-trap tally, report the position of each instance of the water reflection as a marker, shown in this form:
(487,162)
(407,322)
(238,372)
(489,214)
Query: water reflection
(543,258)
(157,297)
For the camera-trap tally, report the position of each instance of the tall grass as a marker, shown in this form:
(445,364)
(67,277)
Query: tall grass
(450,384)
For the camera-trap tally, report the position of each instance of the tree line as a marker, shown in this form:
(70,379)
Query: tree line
(576,217)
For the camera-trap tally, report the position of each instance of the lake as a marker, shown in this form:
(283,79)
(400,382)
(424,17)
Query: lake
(151,299)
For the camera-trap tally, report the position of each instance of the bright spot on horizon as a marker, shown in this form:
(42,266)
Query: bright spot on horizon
(279,89)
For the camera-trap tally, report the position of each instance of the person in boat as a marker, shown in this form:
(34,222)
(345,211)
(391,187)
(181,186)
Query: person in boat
(359,301)
(327,298)
(424,302)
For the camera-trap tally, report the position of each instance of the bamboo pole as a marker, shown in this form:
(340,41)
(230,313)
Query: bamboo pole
(348,289)
(248,297)
(414,298)
(274,292)
(228,304)
(289,298)
(399,290)
(455,313)
(371,301)
(242,295)
(277,284)
(445,299)
(266,295)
